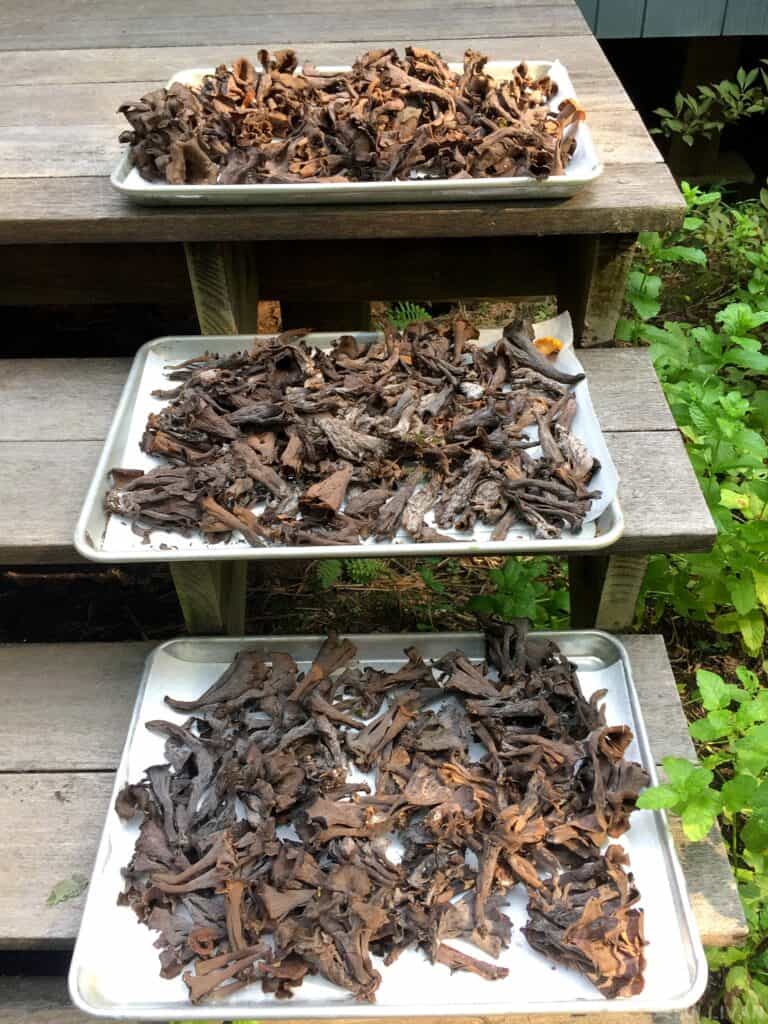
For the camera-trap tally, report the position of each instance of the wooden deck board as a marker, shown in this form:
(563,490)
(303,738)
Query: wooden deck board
(36,529)
(112,25)
(45,1001)
(624,388)
(626,199)
(54,808)
(43,444)
(57,146)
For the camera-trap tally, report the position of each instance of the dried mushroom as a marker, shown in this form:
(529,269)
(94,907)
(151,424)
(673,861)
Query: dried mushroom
(388,118)
(417,432)
(238,899)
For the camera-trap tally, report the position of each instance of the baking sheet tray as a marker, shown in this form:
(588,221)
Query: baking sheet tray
(114,969)
(583,167)
(110,538)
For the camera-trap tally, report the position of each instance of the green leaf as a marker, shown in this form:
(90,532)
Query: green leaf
(752,750)
(68,889)
(727,623)
(737,793)
(748,679)
(643,293)
(683,254)
(733,499)
(699,814)
(714,726)
(717,958)
(656,797)
(754,834)
(715,693)
(328,570)
(678,770)
(693,223)
(743,596)
(752,628)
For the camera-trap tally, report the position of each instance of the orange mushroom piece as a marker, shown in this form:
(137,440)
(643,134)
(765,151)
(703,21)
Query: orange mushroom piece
(548,346)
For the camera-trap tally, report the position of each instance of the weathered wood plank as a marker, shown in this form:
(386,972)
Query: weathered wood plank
(66,707)
(664,508)
(657,692)
(582,56)
(71,804)
(91,388)
(591,282)
(52,823)
(623,385)
(627,198)
(43,149)
(665,19)
(46,1001)
(341,23)
(658,517)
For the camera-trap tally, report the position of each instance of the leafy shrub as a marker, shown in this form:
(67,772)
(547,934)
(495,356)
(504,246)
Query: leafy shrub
(404,313)
(526,588)
(707,111)
(715,377)
(731,782)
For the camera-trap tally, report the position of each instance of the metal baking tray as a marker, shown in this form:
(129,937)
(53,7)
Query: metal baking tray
(109,538)
(583,167)
(111,938)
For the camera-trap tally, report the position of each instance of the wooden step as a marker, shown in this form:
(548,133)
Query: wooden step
(66,710)
(55,413)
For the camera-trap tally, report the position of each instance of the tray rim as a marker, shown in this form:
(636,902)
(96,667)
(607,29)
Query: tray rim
(88,549)
(556,186)
(276,1011)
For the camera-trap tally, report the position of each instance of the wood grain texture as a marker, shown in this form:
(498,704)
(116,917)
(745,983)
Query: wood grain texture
(71,805)
(712,887)
(620,590)
(161,25)
(52,823)
(66,707)
(46,1001)
(582,55)
(95,686)
(664,508)
(591,282)
(627,198)
(46,151)
(33,528)
(623,385)
(87,393)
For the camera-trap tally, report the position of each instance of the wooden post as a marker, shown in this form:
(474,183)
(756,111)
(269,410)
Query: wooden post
(224,283)
(604,590)
(591,280)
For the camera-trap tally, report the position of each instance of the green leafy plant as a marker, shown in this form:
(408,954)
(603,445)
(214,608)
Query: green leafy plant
(364,570)
(731,782)
(710,108)
(329,571)
(525,588)
(715,377)
(403,313)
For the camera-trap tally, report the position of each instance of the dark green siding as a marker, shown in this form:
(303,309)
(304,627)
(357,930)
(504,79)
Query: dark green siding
(627,19)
